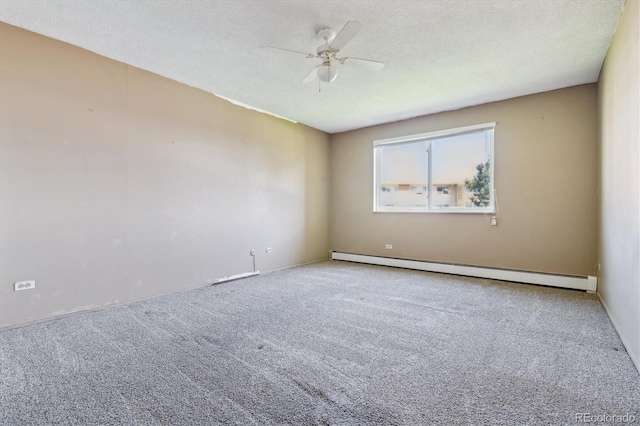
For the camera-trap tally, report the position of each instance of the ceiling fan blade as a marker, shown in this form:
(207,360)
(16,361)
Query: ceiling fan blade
(364,63)
(347,32)
(313,75)
(308,55)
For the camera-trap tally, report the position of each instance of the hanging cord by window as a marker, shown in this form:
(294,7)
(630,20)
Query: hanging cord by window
(493,217)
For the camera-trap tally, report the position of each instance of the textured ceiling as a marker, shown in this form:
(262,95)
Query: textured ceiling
(439,55)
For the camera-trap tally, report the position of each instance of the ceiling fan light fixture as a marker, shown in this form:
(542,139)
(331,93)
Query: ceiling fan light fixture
(327,73)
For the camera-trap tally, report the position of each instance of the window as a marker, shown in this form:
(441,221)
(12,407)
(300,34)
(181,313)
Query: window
(444,171)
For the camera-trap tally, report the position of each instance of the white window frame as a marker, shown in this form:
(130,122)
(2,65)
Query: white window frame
(428,137)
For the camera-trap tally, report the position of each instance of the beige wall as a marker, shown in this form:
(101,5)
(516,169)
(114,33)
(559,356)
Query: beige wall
(117,184)
(619,280)
(546,181)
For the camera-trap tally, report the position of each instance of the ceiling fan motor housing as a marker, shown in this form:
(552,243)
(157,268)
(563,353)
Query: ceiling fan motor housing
(325,51)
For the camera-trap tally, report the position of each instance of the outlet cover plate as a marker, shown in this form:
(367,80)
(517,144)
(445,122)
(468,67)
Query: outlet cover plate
(24,285)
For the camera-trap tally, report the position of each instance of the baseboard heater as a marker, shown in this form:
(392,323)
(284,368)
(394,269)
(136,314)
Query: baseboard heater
(586,283)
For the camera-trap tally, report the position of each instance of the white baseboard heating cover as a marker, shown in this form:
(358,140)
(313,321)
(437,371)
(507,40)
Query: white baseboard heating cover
(587,283)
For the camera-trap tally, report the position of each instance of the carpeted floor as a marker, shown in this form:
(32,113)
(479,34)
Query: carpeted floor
(330,343)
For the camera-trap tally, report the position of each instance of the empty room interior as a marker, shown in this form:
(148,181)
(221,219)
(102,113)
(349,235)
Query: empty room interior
(319,212)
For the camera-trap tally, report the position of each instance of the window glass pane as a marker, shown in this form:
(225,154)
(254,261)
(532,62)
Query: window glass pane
(461,175)
(402,176)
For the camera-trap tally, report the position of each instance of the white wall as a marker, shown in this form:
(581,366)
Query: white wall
(619,90)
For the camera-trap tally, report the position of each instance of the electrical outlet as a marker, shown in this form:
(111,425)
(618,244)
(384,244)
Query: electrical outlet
(269,250)
(252,252)
(388,246)
(24,285)
(494,221)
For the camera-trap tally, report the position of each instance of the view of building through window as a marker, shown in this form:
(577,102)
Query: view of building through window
(450,172)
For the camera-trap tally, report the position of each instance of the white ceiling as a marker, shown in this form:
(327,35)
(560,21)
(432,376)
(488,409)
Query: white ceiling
(439,55)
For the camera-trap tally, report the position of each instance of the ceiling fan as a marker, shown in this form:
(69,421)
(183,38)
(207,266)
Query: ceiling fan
(328,52)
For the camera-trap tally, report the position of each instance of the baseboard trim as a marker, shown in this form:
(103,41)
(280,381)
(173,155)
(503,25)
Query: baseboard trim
(623,339)
(84,310)
(585,283)
(297,265)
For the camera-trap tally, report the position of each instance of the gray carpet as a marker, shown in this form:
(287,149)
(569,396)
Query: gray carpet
(330,343)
